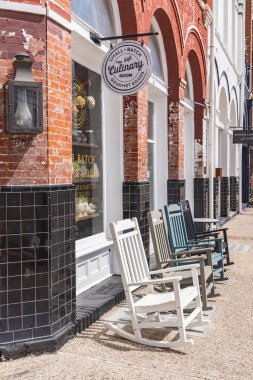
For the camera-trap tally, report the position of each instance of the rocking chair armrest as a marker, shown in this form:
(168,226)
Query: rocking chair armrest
(201,250)
(157,281)
(213,240)
(173,269)
(185,259)
(212,232)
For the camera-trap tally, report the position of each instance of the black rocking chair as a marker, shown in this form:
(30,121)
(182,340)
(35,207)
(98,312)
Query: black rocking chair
(193,235)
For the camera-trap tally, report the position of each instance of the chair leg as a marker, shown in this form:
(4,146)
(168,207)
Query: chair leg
(227,249)
(203,286)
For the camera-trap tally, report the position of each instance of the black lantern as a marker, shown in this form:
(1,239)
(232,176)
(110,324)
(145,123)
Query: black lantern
(23,99)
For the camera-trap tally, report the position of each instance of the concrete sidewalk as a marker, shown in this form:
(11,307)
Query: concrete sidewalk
(224,351)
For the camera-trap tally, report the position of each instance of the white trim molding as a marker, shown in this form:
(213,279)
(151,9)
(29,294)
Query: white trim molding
(37,10)
(24,8)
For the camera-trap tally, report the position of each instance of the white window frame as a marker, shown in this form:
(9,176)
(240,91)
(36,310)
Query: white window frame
(90,56)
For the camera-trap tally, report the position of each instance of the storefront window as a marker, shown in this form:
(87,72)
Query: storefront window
(96,13)
(87,151)
(156,55)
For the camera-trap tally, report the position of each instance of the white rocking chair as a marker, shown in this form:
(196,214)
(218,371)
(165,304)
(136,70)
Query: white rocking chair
(151,310)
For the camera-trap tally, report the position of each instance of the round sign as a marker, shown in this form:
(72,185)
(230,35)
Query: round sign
(127,67)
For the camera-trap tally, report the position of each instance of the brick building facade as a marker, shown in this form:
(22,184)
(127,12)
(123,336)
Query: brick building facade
(40,261)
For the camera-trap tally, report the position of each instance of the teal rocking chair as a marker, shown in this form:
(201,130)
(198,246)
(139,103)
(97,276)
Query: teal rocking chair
(178,239)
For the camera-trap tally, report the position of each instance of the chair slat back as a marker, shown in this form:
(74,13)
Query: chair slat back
(130,251)
(159,237)
(189,224)
(176,227)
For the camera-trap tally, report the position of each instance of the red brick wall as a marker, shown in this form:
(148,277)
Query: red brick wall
(44,158)
(177,21)
(59,104)
(23,159)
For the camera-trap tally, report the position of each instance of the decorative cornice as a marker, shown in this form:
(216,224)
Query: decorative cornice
(207,14)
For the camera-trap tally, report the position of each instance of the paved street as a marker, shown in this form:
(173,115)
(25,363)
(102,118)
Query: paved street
(224,351)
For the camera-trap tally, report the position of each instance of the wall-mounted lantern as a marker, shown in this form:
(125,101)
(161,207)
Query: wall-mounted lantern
(23,99)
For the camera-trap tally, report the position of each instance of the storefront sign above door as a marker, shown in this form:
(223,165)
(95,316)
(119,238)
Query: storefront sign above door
(244,136)
(127,67)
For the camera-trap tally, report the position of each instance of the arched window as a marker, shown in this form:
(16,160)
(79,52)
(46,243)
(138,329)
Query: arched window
(188,93)
(96,13)
(153,45)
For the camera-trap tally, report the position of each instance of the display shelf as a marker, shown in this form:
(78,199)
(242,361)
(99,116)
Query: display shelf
(80,218)
(84,144)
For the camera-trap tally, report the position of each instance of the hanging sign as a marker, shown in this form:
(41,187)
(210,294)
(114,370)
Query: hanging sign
(244,136)
(127,67)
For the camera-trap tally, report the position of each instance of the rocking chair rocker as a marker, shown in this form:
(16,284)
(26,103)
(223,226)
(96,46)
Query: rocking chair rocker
(164,257)
(150,311)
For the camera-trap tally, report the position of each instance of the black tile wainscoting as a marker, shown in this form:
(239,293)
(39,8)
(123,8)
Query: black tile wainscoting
(37,264)
(225,196)
(234,193)
(175,190)
(201,204)
(216,197)
(136,204)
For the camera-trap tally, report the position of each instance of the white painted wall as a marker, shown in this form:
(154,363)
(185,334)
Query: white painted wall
(229,45)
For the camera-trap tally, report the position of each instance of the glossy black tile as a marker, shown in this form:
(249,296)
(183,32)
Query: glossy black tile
(6,337)
(42,319)
(42,307)
(42,266)
(14,255)
(29,254)
(28,281)
(14,310)
(28,294)
(13,199)
(3,227)
(29,322)
(14,296)
(3,325)
(42,225)
(28,226)
(28,268)
(15,323)
(3,311)
(41,332)
(55,277)
(41,212)
(41,198)
(28,308)
(42,280)
(14,269)
(3,298)
(42,293)
(14,241)
(13,213)
(27,213)
(14,283)
(27,199)
(3,199)
(23,335)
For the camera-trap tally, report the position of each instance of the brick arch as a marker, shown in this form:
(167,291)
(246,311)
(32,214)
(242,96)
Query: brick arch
(170,34)
(194,52)
(129,23)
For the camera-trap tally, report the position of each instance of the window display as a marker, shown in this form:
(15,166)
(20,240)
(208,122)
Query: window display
(87,151)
